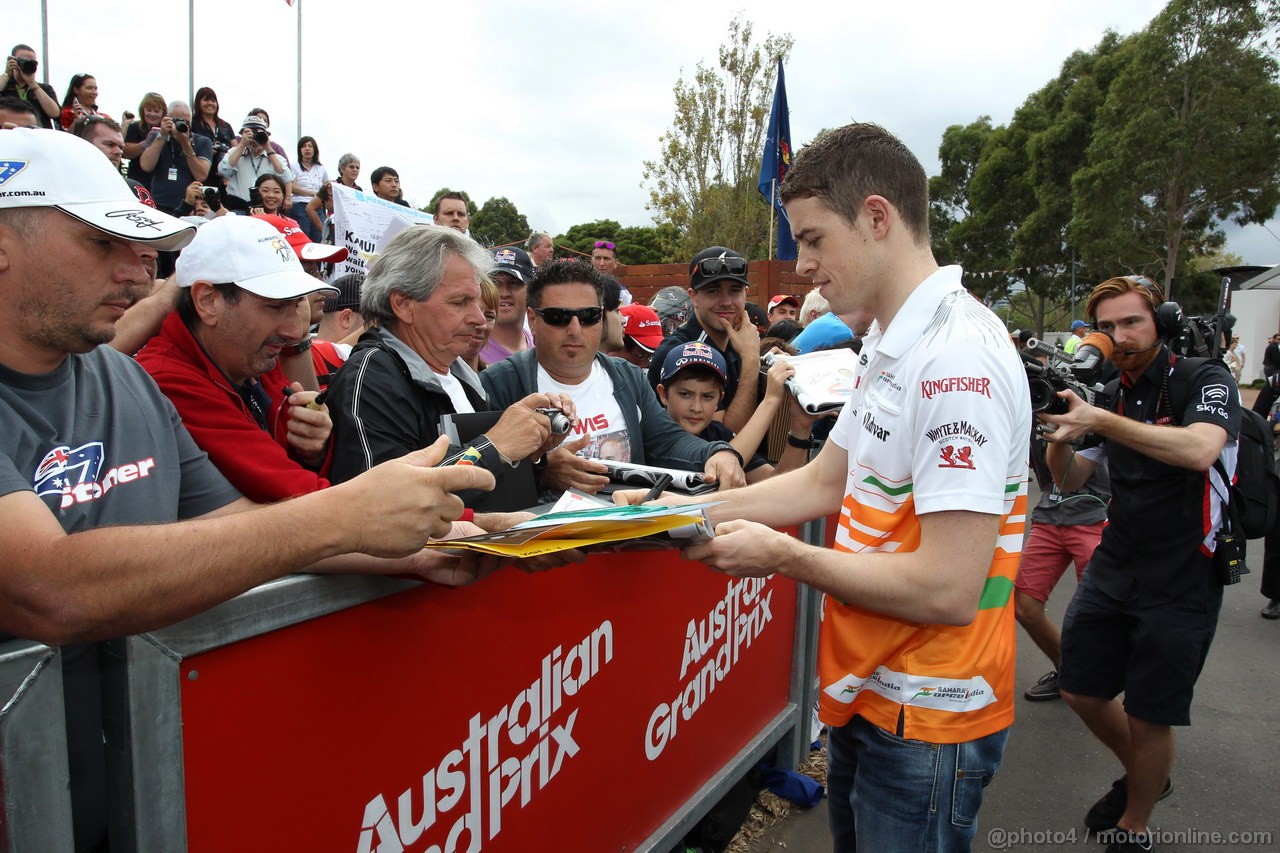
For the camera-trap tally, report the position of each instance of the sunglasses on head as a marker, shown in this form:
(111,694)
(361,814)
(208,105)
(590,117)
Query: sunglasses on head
(604,244)
(564,316)
(716,266)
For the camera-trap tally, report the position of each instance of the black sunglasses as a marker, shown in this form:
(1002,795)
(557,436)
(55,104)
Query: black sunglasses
(564,316)
(716,266)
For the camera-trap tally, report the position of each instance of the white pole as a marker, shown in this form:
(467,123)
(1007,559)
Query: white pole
(299,134)
(191,57)
(44,38)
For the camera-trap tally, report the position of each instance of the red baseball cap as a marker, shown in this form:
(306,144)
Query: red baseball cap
(301,244)
(641,324)
(781,298)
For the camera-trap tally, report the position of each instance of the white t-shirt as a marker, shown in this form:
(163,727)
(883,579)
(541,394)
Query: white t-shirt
(457,394)
(312,179)
(598,414)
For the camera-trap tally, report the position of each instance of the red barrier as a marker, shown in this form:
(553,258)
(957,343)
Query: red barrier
(572,710)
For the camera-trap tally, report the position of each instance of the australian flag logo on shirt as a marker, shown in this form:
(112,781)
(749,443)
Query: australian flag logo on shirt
(63,468)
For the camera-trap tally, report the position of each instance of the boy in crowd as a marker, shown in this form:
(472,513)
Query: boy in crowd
(691,386)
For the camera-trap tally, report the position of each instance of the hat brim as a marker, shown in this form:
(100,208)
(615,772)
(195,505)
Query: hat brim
(286,284)
(134,222)
(783,301)
(322,253)
(511,271)
(648,343)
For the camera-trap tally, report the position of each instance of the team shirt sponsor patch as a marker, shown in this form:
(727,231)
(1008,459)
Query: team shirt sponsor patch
(76,476)
(929,388)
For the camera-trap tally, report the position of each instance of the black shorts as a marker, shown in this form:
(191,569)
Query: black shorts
(1152,654)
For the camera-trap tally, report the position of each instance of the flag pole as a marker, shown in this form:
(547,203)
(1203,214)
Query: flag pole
(299,135)
(773,188)
(44,38)
(191,55)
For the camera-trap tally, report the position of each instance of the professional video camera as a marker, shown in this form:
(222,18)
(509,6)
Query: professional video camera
(1066,372)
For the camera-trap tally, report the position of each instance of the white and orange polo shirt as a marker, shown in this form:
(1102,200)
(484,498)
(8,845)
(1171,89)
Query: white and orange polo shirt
(938,421)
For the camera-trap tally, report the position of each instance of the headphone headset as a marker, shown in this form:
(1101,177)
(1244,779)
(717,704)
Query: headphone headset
(1168,314)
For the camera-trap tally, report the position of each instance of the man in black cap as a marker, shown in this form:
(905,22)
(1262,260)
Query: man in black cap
(718,287)
(342,315)
(511,271)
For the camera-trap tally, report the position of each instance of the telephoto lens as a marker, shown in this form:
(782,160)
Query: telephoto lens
(181,126)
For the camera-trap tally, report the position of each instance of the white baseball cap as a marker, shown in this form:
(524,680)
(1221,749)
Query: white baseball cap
(52,169)
(248,252)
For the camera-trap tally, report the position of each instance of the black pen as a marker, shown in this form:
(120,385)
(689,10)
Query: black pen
(659,485)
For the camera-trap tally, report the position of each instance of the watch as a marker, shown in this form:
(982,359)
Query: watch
(802,443)
(298,348)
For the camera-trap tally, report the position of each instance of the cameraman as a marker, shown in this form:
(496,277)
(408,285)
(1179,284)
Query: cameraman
(174,157)
(19,80)
(1144,614)
(249,158)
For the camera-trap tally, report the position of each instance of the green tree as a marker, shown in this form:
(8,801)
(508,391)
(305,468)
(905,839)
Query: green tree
(498,223)
(1188,138)
(471,205)
(646,244)
(703,181)
(582,238)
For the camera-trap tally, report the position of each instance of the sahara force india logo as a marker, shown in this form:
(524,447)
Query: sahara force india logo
(937,694)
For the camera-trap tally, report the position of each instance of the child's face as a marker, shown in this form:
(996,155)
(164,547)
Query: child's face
(691,402)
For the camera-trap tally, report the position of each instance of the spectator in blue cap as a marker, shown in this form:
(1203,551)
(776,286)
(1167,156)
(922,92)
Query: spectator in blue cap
(1079,328)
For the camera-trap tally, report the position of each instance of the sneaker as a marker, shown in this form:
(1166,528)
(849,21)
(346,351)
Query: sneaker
(1130,842)
(1272,610)
(1044,689)
(1107,811)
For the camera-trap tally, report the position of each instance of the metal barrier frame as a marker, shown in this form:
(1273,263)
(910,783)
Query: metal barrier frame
(35,782)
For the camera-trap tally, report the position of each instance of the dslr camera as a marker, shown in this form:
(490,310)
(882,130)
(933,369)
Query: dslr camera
(26,66)
(211,197)
(181,125)
(261,137)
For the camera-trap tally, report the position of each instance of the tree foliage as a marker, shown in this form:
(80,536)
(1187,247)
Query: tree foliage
(498,223)
(703,182)
(1189,138)
(1128,161)
(634,245)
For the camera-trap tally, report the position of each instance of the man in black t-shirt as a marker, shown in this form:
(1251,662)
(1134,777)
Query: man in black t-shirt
(718,288)
(1144,614)
(18,80)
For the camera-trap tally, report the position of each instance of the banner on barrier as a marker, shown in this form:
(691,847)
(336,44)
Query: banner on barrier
(575,709)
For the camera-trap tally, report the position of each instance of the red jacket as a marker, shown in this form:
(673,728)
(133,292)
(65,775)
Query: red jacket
(257,463)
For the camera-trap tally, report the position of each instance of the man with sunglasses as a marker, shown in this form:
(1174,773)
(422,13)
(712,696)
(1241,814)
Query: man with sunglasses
(618,417)
(718,288)
(18,79)
(604,257)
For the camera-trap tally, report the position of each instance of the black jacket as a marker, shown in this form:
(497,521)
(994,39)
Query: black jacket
(386,402)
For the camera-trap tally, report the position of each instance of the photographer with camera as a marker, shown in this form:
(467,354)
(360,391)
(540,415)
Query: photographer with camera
(248,159)
(18,80)
(1144,614)
(174,157)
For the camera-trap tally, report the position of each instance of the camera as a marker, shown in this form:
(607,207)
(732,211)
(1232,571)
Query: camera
(27,66)
(181,125)
(261,137)
(211,197)
(220,148)
(1063,371)
(559,420)
(255,197)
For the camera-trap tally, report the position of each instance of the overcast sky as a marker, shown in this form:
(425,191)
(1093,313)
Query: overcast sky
(556,105)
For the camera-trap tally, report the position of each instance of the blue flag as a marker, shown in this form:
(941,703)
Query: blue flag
(775,164)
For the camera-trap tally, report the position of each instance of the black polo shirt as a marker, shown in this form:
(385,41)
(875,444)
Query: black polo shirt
(692,331)
(1158,542)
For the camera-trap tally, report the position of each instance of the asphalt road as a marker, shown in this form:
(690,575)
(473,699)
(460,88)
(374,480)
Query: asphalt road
(1226,774)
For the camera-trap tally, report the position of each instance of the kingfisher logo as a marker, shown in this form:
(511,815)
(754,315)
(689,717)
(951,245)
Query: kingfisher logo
(75,475)
(9,168)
